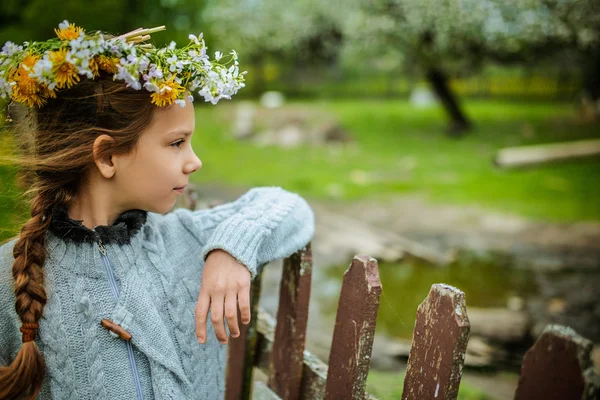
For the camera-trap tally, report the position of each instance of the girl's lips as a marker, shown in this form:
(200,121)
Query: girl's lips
(180,189)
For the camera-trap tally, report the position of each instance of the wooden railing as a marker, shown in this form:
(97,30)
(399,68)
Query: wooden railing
(558,366)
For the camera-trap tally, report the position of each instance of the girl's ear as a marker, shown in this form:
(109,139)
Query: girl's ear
(102,156)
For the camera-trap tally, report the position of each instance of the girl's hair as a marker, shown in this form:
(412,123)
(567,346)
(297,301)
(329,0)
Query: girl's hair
(59,139)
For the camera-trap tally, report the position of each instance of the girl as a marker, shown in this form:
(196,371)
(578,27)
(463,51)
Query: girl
(104,294)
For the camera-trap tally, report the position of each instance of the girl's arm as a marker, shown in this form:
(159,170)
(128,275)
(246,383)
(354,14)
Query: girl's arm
(265,224)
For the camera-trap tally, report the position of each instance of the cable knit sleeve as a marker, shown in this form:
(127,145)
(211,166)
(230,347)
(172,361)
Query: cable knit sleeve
(265,224)
(10,340)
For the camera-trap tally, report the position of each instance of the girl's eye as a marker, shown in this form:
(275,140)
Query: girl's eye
(177,144)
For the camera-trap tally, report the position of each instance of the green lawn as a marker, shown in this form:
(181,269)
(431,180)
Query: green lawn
(398,149)
(389,385)
(407,149)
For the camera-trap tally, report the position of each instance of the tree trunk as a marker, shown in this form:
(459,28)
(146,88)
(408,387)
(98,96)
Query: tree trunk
(592,77)
(459,122)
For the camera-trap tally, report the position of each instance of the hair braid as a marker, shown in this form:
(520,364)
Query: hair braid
(25,375)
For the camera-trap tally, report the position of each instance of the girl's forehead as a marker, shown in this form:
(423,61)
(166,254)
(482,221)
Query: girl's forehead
(175,119)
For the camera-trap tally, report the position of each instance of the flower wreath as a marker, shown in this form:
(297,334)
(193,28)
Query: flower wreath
(34,72)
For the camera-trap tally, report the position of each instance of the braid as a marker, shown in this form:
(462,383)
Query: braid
(25,375)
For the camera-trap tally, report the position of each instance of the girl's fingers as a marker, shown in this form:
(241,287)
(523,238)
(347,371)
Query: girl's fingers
(231,314)
(244,304)
(201,313)
(216,316)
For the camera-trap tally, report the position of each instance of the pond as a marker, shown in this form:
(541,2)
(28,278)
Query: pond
(486,282)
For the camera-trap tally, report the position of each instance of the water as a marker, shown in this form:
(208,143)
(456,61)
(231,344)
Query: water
(485,282)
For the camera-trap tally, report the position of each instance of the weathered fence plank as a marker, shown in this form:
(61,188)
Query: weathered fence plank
(350,355)
(242,352)
(439,344)
(285,372)
(558,366)
(314,371)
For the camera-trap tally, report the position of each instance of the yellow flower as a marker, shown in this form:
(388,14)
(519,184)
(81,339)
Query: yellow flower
(27,90)
(108,64)
(94,66)
(168,92)
(69,33)
(65,73)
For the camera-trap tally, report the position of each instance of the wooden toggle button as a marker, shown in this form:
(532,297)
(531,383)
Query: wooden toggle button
(111,326)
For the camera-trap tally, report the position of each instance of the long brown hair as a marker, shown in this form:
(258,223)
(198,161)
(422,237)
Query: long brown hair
(58,139)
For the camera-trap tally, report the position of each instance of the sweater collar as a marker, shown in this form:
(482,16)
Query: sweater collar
(120,232)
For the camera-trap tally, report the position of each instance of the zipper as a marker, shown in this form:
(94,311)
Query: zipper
(115,291)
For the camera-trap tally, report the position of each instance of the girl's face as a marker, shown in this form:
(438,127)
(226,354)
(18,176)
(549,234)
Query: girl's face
(149,177)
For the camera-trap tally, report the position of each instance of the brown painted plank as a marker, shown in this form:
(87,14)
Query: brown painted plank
(285,372)
(242,351)
(439,344)
(314,373)
(558,366)
(350,355)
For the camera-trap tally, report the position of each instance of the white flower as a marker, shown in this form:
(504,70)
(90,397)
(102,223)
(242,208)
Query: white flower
(218,55)
(155,72)
(180,102)
(10,48)
(151,87)
(5,88)
(63,25)
(42,70)
(124,74)
(172,45)
(194,39)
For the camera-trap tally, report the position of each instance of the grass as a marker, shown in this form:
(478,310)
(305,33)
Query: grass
(389,385)
(403,150)
(399,149)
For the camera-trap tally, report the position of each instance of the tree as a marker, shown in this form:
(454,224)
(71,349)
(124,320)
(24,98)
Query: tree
(302,32)
(27,20)
(439,37)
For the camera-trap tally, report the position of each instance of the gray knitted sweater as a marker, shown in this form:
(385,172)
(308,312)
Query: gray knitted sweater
(148,283)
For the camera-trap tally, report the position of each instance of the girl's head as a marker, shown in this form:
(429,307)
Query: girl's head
(99,139)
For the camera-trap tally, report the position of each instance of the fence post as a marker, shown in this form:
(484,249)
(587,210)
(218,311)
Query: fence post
(241,352)
(558,366)
(437,354)
(350,355)
(287,354)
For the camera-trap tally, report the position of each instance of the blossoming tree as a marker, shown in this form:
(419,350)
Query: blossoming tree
(433,37)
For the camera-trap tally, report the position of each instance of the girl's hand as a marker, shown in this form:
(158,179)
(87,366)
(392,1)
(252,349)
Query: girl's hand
(225,284)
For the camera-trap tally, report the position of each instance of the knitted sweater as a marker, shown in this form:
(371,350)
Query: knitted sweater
(148,283)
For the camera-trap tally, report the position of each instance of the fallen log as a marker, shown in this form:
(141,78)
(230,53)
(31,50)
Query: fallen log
(513,157)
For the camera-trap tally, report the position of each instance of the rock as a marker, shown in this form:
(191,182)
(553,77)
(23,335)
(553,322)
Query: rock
(499,324)
(244,120)
(272,99)
(289,136)
(331,132)
(422,97)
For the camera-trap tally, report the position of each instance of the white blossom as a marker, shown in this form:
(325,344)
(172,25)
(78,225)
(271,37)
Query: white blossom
(10,48)
(63,25)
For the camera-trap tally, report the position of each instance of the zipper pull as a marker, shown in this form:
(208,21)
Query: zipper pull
(101,247)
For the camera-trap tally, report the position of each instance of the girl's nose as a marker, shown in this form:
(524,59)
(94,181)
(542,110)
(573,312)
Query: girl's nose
(193,165)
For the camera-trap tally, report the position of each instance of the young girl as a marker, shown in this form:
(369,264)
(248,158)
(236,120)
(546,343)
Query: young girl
(104,294)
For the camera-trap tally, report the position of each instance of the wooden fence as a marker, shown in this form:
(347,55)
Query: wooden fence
(558,366)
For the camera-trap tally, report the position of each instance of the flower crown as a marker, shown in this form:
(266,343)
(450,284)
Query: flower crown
(34,72)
